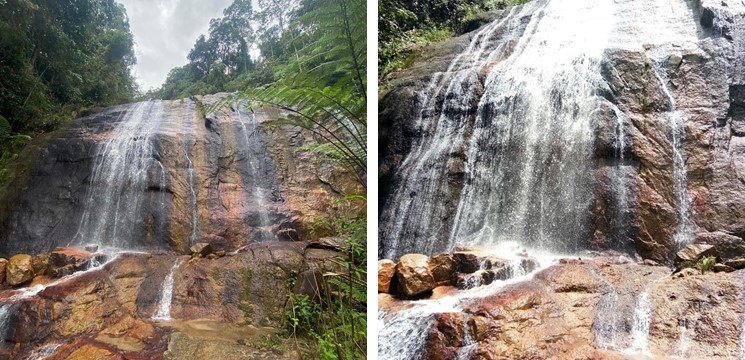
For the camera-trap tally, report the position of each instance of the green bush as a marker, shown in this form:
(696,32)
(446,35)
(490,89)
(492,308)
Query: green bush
(706,263)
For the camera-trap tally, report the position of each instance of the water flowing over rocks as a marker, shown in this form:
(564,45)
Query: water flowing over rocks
(652,163)
(220,178)
(606,307)
(160,230)
(604,136)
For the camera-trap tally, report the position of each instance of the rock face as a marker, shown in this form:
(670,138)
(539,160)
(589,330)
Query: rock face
(386,272)
(636,155)
(19,269)
(413,276)
(216,305)
(221,179)
(579,309)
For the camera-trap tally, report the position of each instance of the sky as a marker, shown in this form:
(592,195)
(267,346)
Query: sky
(165,31)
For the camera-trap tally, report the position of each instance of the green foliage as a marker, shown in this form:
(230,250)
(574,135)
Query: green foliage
(324,85)
(337,322)
(706,263)
(405,27)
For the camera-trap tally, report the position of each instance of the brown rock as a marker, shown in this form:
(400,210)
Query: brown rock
(201,249)
(722,268)
(19,269)
(91,247)
(442,268)
(413,276)
(3,266)
(727,246)
(738,263)
(694,251)
(41,264)
(75,256)
(386,271)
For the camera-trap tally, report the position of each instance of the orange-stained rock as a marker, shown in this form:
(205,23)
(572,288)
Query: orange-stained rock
(386,271)
(413,276)
(19,269)
(41,264)
(3,267)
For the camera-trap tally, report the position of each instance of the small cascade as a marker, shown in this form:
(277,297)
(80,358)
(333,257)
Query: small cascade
(684,230)
(164,304)
(641,325)
(5,312)
(469,343)
(258,172)
(687,332)
(608,324)
(188,124)
(126,172)
(402,334)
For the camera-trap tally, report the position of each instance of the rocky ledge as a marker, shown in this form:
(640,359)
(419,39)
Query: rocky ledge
(603,307)
(225,304)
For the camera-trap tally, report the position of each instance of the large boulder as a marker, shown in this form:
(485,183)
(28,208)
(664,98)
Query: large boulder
(413,275)
(201,249)
(19,270)
(386,271)
(693,252)
(727,246)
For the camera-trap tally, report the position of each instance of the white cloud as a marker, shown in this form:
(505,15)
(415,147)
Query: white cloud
(164,32)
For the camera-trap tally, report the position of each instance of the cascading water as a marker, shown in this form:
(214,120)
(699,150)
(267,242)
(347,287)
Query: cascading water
(5,311)
(684,230)
(163,312)
(518,164)
(640,327)
(116,209)
(258,172)
(403,333)
(188,124)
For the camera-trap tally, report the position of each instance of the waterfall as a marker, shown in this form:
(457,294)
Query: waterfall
(127,167)
(163,312)
(684,229)
(188,124)
(641,324)
(257,169)
(507,132)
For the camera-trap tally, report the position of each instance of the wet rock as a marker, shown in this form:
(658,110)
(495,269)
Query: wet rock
(386,271)
(442,268)
(726,246)
(722,268)
(79,258)
(201,249)
(3,266)
(91,247)
(693,252)
(19,269)
(686,272)
(41,264)
(737,263)
(413,276)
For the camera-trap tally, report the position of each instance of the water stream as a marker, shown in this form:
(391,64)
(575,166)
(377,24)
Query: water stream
(117,203)
(188,147)
(163,312)
(641,324)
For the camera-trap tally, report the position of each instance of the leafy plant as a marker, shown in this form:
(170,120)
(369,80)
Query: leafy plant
(706,263)
(338,321)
